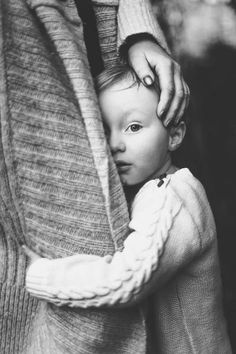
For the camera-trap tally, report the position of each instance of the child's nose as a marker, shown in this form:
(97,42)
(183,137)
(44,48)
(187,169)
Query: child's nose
(116,143)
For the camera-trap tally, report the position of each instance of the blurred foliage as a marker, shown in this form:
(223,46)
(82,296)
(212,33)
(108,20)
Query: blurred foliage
(202,36)
(193,26)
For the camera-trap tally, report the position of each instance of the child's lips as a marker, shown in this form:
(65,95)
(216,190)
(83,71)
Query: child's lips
(122,166)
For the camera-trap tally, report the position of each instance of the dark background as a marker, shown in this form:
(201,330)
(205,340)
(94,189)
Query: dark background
(202,36)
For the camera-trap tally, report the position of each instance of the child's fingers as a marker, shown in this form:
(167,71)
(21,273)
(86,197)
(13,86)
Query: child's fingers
(30,254)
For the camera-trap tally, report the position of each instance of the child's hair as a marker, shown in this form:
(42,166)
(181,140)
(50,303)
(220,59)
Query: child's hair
(114,74)
(119,72)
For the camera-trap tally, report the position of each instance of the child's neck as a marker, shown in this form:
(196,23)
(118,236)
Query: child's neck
(131,191)
(167,168)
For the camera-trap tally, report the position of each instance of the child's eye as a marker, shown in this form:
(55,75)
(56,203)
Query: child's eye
(134,127)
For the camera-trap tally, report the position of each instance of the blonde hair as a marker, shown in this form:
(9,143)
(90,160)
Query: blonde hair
(117,73)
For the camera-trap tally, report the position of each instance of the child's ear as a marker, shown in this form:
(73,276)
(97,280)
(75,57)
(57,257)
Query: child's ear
(177,134)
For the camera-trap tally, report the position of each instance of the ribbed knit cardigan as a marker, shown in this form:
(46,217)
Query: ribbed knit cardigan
(171,253)
(59,190)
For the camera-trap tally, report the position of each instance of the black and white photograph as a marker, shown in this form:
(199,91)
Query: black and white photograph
(117,176)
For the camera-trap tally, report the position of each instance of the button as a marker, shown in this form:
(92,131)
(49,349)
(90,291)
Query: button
(160,183)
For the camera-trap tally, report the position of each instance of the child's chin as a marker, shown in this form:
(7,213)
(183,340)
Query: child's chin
(128,183)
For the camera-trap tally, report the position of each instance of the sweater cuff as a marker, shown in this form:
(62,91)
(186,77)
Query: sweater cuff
(136,16)
(131,40)
(37,277)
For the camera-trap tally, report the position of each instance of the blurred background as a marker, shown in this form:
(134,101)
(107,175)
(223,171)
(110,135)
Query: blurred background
(202,37)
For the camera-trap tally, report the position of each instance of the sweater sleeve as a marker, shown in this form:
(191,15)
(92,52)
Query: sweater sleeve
(136,16)
(165,238)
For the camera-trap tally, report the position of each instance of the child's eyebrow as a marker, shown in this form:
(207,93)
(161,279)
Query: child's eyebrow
(130,113)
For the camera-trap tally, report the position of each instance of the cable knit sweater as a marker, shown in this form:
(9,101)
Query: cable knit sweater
(59,190)
(171,251)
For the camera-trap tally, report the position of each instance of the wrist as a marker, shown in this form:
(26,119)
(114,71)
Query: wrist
(132,40)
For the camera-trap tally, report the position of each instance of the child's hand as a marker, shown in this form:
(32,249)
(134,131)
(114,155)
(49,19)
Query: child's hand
(31,256)
(147,57)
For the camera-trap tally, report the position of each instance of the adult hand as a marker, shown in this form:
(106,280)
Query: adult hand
(147,58)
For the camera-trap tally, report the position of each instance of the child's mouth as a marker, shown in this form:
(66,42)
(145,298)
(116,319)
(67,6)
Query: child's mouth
(122,166)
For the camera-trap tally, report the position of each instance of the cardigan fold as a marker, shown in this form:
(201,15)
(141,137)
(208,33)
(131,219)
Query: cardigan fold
(59,193)
(170,254)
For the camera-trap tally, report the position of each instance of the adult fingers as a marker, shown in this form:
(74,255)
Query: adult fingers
(141,66)
(177,98)
(165,74)
(184,104)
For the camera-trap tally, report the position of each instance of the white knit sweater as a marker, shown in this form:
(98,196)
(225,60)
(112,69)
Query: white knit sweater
(171,255)
(157,214)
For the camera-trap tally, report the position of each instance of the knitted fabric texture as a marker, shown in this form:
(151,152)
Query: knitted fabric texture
(59,191)
(171,253)
(114,279)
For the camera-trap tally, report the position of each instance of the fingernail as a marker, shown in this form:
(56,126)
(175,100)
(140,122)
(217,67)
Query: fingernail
(162,115)
(167,123)
(148,81)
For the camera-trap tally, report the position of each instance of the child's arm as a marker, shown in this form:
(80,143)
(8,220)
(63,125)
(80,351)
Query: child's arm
(167,236)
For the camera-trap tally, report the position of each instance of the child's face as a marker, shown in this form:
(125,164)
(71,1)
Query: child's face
(137,138)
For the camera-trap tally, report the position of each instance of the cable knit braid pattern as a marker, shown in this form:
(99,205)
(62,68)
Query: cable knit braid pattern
(169,259)
(94,281)
(60,193)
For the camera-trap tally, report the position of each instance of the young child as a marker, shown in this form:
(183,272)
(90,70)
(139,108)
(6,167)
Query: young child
(169,262)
